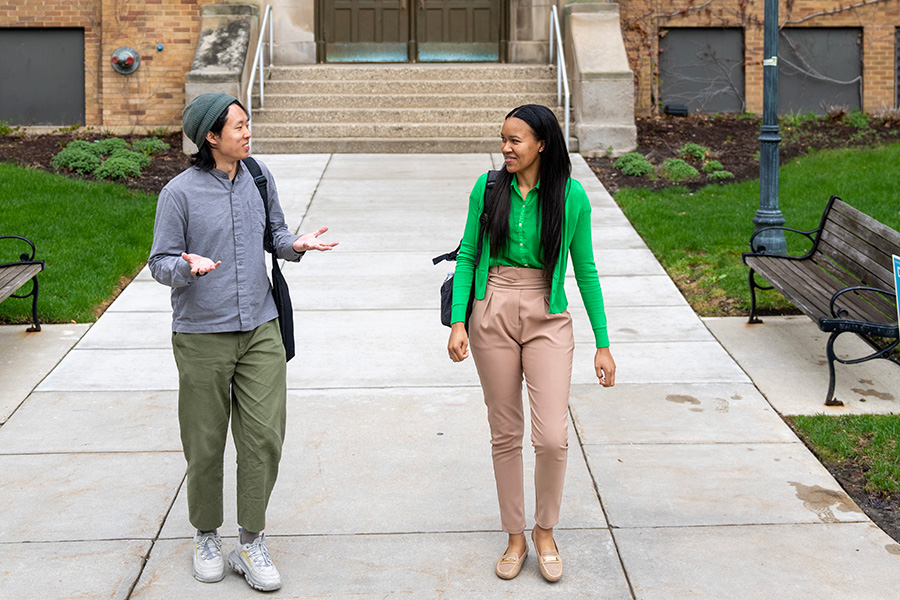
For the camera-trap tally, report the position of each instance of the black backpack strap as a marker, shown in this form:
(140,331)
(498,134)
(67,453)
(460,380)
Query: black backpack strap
(491,178)
(262,184)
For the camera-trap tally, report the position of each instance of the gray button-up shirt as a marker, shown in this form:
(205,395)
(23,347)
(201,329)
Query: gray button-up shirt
(205,213)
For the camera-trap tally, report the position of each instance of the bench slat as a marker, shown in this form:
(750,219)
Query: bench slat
(15,276)
(866,238)
(870,225)
(867,262)
(810,288)
(835,261)
(783,275)
(886,304)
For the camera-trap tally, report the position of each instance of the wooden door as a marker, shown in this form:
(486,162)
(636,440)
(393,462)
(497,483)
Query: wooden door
(366,30)
(410,30)
(458,30)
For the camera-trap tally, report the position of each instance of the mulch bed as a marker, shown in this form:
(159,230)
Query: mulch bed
(734,142)
(36,151)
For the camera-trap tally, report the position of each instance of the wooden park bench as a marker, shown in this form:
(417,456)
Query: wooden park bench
(15,274)
(845,283)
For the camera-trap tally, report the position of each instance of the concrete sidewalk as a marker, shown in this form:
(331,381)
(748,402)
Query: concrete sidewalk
(683,482)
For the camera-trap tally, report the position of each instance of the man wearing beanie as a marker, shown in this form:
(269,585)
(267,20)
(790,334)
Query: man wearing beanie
(208,247)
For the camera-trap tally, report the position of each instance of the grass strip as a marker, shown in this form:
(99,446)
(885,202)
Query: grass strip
(92,236)
(867,443)
(699,237)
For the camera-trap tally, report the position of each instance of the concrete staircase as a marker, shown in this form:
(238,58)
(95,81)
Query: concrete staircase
(405,108)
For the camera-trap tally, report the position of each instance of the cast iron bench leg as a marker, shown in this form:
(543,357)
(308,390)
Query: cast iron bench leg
(830,400)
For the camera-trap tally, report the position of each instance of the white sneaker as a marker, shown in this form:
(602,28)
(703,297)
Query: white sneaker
(209,566)
(253,562)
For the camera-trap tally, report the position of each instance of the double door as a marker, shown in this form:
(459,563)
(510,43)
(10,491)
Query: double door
(411,30)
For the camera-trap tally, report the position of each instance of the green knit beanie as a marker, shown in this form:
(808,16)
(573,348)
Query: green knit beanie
(200,114)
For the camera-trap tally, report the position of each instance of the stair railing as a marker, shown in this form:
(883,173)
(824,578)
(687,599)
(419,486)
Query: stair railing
(562,79)
(258,62)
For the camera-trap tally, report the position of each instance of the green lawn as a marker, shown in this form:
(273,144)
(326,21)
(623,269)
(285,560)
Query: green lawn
(91,235)
(869,442)
(699,237)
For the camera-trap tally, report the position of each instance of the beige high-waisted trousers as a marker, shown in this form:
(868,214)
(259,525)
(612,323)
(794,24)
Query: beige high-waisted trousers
(512,334)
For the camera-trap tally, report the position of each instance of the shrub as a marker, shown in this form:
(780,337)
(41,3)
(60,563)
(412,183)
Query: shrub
(836,112)
(149,146)
(712,166)
(633,164)
(675,169)
(6,128)
(86,146)
(109,145)
(888,114)
(719,175)
(693,151)
(142,160)
(857,119)
(118,167)
(76,159)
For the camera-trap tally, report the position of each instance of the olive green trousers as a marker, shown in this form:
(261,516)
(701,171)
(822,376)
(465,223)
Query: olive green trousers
(240,377)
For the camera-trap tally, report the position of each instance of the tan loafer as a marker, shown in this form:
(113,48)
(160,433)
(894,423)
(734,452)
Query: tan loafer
(510,564)
(549,561)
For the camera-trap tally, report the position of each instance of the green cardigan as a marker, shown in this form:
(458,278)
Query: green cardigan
(576,241)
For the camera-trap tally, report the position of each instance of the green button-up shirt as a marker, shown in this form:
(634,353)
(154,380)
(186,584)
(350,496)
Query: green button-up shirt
(523,249)
(576,242)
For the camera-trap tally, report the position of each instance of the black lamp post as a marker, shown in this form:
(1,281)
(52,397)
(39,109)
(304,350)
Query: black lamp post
(769,214)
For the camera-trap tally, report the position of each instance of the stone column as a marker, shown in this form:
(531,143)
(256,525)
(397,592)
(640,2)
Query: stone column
(602,82)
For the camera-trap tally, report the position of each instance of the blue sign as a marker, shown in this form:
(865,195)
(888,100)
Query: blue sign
(897,283)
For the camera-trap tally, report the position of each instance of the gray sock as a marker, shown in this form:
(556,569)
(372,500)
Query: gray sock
(248,536)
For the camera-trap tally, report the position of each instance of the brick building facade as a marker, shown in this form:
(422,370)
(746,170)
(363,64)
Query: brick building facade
(153,96)
(643,21)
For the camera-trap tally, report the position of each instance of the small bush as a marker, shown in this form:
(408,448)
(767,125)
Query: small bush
(142,160)
(712,166)
(149,146)
(857,119)
(836,112)
(888,114)
(118,167)
(76,159)
(6,128)
(86,146)
(633,164)
(720,175)
(109,145)
(693,151)
(675,169)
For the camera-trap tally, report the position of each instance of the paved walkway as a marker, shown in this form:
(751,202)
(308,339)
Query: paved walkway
(683,482)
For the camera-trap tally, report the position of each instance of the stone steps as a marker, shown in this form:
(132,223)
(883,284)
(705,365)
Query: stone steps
(372,101)
(394,108)
(493,116)
(395,72)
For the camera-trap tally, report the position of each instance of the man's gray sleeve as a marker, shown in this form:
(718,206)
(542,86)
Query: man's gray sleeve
(166,264)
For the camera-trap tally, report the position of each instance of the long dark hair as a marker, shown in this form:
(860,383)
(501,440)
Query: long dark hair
(555,171)
(203,157)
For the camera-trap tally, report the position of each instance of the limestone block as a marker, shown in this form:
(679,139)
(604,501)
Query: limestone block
(222,61)
(602,82)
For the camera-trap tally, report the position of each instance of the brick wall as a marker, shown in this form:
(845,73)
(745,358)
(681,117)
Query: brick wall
(152,96)
(643,19)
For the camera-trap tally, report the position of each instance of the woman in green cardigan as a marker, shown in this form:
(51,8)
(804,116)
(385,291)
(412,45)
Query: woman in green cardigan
(536,217)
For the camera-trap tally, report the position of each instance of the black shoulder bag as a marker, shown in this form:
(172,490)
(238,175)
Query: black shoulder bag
(280,291)
(447,286)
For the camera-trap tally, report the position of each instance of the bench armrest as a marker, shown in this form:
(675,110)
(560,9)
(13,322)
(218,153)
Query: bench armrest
(755,250)
(842,313)
(24,257)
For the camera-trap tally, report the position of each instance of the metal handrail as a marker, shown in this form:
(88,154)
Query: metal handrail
(258,62)
(562,78)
